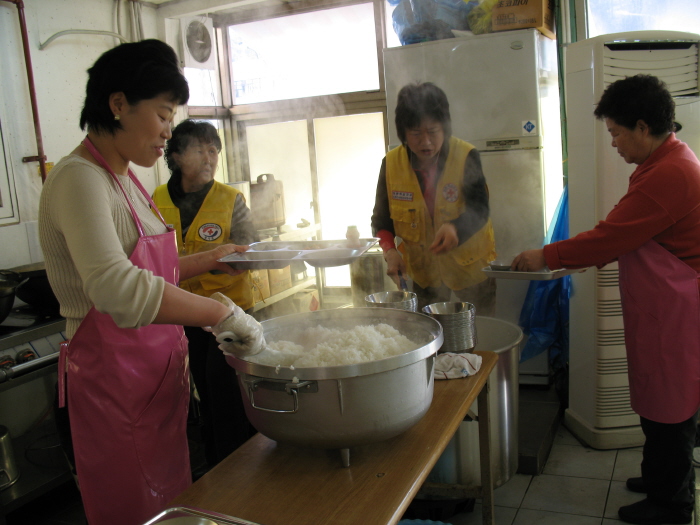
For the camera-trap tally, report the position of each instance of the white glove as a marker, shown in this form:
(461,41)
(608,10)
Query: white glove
(238,333)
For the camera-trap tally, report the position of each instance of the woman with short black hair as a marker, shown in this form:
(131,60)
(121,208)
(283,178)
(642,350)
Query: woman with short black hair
(654,234)
(114,267)
(432,194)
(205,214)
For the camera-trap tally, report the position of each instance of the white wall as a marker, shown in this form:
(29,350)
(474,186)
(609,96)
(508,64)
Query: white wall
(60,77)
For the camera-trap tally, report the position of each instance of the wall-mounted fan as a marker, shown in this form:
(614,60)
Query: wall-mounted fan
(198,42)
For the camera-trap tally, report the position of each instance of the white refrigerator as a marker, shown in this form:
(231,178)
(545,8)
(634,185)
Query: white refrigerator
(503,92)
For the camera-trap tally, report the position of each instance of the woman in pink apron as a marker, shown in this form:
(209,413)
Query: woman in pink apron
(654,234)
(114,267)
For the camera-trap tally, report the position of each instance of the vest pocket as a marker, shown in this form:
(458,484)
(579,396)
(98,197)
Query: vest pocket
(408,223)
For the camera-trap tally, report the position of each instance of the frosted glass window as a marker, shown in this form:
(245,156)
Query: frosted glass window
(221,173)
(311,54)
(349,152)
(282,149)
(204,87)
(617,16)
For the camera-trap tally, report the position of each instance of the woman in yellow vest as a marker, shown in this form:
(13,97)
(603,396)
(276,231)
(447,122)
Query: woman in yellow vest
(431,211)
(205,214)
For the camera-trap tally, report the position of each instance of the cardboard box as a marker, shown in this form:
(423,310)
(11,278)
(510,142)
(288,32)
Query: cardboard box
(306,301)
(280,280)
(521,14)
(261,285)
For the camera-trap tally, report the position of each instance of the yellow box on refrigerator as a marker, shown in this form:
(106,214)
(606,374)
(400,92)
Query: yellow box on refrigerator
(521,14)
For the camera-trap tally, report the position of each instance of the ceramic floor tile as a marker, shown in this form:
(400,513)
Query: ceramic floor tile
(580,462)
(628,464)
(542,517)
(511,494)
(503,515)
(564,437)
(568,495)
(619,496)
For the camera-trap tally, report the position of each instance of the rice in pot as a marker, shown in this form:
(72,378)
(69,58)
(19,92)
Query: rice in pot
(319,346)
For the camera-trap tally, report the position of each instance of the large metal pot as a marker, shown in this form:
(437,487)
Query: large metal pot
(342,406)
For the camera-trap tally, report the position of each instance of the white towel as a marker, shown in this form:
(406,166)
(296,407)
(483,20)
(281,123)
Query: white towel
(450,365)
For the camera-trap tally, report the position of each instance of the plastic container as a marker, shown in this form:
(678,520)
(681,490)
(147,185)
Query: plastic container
(459,462)
(353,237)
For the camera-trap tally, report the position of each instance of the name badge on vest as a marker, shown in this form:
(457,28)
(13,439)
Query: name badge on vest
(210,231)
(402,195)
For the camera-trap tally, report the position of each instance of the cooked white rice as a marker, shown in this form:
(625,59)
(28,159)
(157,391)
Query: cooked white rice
(319,346)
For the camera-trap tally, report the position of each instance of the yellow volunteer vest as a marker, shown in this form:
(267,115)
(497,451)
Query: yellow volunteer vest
(211,227)
(459,268)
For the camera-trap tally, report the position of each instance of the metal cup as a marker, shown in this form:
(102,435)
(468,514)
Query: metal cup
(457,320)
(393,299)
(9,473)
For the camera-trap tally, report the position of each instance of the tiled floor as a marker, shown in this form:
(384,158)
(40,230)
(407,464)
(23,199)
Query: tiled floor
(578,486)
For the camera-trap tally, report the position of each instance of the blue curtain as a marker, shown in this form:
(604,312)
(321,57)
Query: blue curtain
(545,313)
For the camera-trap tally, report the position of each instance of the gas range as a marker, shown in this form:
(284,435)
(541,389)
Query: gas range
(29,341)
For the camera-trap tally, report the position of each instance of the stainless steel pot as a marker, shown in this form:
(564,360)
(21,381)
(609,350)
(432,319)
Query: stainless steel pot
(342,406)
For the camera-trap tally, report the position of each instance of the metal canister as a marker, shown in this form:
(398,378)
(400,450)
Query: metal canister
(9,472)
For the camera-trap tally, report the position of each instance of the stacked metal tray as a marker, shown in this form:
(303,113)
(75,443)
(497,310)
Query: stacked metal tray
(275,255)
(504,272)
(194,516)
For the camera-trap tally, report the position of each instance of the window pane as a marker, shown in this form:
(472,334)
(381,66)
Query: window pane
(310,54)
(349,152)
(283,150)
(204,87)
(221,174)
(617,16)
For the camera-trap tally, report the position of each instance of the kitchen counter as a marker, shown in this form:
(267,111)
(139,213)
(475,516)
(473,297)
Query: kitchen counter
(280,484)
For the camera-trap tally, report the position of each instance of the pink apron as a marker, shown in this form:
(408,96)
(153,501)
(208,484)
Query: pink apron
(128,395)
(661,312)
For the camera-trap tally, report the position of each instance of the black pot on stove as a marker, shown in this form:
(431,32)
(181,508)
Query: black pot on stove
(9,281)
(35,289)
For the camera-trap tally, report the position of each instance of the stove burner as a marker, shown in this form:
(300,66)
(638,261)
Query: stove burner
(23,317)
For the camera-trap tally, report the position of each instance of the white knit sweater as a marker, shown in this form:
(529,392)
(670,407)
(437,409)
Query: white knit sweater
(87,233)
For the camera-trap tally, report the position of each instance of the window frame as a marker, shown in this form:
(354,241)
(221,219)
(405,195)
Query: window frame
(236,116)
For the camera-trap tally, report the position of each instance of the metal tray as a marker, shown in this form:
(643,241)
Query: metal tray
(279,254)
(545,275)
(194,516)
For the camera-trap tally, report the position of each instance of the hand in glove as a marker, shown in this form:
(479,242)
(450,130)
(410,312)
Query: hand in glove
(239,333)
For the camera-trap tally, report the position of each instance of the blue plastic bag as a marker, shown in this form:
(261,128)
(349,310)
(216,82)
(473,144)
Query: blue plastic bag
(545,313)
(423,20)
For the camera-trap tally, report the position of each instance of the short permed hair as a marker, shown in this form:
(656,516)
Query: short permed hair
(641,97)
(141,70)
(418,101)
(184,134)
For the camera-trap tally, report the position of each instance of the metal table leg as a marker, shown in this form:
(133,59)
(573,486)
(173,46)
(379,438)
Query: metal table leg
(487,510)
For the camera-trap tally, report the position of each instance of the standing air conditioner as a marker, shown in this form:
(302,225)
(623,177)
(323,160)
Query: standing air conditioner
(599,410)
